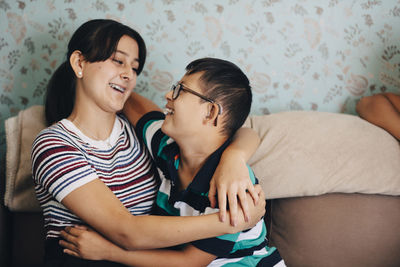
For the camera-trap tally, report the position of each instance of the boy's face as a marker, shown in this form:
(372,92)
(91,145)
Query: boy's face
(186,114)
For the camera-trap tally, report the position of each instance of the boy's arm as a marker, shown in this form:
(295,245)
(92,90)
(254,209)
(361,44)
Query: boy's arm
(231,179)
(136,106)
(90,245)
(189,256)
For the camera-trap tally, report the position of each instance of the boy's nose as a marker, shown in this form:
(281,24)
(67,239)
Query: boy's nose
(168,95)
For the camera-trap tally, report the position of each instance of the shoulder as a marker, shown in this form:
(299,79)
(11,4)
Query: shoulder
(149,130)
(123,120)
(57,133)
(54,139)
(149,118)
(149,125)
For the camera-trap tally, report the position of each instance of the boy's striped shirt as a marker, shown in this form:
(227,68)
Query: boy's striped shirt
(247,248)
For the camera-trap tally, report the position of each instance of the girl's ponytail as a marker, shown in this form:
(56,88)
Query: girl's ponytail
(60,96)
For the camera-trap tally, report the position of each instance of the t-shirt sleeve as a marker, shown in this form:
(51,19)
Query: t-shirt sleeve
(148,129)
(58,167)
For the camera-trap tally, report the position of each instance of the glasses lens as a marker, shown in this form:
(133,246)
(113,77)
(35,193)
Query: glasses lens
(175,91)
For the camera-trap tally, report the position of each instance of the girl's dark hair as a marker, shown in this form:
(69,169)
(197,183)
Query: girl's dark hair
(97,40)
(226,84)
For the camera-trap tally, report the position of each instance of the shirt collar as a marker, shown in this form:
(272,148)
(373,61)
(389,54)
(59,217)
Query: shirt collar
(201,182)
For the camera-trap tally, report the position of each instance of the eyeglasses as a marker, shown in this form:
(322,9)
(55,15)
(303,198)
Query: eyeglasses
(177,88)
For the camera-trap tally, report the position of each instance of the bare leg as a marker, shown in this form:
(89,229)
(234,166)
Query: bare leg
(382,110)
(394,99)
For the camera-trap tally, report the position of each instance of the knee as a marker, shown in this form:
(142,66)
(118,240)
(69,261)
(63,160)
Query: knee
(371,105)
(390,94)
(392,97)
(362,104)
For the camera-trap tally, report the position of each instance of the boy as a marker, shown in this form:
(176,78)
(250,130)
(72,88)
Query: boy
(203,112)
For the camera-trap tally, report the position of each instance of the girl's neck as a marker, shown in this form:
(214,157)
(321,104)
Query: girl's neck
(95,125)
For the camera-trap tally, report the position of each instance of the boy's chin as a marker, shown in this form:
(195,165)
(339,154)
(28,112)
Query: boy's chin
(164,128)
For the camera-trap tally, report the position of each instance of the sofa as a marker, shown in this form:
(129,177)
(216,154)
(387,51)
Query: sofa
(332,183)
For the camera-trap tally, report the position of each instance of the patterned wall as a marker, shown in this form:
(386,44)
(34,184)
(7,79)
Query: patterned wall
(299,55)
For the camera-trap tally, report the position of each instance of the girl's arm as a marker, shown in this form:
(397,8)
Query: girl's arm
(231,179)
(136,106)
(95,204)
(88,244)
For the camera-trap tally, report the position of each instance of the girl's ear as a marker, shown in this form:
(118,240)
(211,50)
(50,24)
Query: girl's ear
(77,62)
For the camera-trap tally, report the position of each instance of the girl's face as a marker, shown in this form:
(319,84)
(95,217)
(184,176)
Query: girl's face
(107,84)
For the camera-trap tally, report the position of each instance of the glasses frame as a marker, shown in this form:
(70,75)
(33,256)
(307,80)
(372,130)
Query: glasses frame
(178,87)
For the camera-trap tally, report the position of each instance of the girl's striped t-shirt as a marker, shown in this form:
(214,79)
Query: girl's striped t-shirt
(64,159)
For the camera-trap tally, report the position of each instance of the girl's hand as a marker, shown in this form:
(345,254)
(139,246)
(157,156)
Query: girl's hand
(83,242)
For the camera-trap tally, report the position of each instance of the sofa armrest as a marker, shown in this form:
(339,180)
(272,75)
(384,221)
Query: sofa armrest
(5,222)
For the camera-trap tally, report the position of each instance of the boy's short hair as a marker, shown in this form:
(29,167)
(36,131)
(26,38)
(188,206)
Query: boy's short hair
(226,84)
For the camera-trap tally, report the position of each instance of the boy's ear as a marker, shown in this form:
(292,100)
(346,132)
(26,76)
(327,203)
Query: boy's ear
(77,62)
(212,115)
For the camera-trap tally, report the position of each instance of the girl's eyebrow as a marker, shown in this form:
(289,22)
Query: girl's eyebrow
(126,54)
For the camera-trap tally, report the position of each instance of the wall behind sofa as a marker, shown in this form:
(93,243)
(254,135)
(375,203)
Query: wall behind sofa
(299,55)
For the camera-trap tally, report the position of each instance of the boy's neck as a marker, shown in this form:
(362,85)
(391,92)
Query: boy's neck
(194,155)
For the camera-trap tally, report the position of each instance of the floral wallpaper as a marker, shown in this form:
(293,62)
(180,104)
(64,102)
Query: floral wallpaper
(299,55)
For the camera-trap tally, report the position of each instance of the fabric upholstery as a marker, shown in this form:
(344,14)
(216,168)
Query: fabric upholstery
(21,130)
(308,153)
(346,230)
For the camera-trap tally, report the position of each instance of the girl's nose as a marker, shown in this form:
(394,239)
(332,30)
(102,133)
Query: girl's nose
(127,74)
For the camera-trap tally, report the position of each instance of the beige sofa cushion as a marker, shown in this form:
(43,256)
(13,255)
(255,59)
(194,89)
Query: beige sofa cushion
(308,153)
(301,154)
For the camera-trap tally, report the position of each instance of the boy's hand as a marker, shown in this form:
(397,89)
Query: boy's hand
(83,242)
